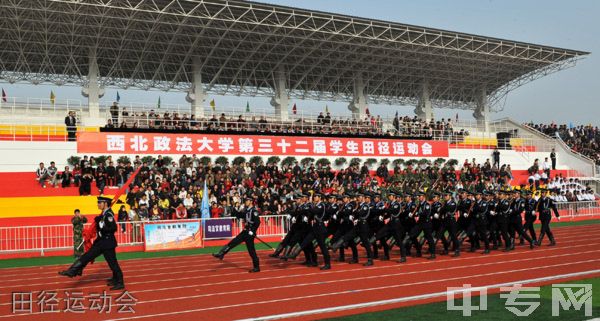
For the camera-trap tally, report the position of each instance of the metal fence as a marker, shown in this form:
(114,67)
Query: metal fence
(46,238)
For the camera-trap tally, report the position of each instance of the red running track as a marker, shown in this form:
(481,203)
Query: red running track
(202,288)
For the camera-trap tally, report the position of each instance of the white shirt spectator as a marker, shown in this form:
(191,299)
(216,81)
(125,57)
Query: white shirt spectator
(188,202)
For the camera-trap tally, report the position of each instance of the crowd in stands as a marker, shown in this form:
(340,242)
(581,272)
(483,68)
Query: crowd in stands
(168,189)
(582,139)
(324,124)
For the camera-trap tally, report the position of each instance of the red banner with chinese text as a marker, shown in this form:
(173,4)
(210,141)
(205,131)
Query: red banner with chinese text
(228,144)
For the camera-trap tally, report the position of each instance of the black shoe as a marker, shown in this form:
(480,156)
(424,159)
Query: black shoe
(368,263)
(552,243)
(219,255)
(456,254)
(419,254)
(472,250)
(118,286)
(74,270)
(326,267)
(522,242)
(531,245)
(353,261)
(254,270)
(313,264)
(385,258)
(495,247)
(487,251)
(431,257)
(274,255)
(506,249)
(445,252)
(402,260)
(341,259)
(111,282)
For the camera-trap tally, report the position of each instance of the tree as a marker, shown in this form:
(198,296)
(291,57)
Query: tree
(398,162)
(385,162)
(221,160)
(124,160)
(101,159)
(307,160)
(255,160)
(439,161)
(323,162)
(340,161)
(452,162)
(167,160)
(239,160)
(148,159)
(355,161)
(411,162)
(73,160)
(370,161)
(204,160)
(274,160)
(290,160)
(424,161)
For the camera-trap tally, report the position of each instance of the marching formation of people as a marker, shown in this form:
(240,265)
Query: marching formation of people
(486,220)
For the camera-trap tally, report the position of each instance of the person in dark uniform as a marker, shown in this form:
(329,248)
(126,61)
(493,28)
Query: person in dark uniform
(530,216)
(363,215)
(436,222)
(333,208)
(302,220)
(465,206)
(345,228)
(252,222)
(388,229)
(423,225)
(285,246)
(105,244)
(502,215)
(449,222)
(317,217)
(515,221)
(493,225)
(553,159)
(409,222)
(478,229)
(544,206)
(377,223)
(396,225)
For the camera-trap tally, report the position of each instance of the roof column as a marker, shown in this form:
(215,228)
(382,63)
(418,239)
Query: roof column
(93,91)
(281,99)
(482,109)
(424,109)
(358,105)
(196,96)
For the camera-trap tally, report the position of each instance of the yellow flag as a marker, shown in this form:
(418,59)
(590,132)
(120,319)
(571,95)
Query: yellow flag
(52,97)
(212,104)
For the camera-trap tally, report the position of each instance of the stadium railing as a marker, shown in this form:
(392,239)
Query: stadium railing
(39,106)
(48,238)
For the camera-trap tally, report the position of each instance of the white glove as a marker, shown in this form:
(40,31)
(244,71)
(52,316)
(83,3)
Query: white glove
(381,218)
(410,214)
(305,219)
(250,233)
(351,217)
(492,213)
(293,220)
(355,222)
(466,215)
(101,224)
(334,217)
(558,218)
(289,217)
(436,215)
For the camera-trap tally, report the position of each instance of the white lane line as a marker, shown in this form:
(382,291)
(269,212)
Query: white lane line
(187,278)
(416,297)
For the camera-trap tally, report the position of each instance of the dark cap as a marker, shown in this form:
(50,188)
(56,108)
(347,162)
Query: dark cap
(104,199)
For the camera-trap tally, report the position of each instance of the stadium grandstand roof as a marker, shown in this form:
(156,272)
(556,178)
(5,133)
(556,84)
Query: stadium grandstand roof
(239,46)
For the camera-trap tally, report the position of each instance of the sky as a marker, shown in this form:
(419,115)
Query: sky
(563,97)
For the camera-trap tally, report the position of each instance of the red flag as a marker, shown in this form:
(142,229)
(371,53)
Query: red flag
(90,232)
(294,109)
(367,112)
(4,97)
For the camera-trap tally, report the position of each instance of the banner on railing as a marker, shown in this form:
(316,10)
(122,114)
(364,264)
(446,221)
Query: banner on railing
(209,144)
(218,228)
(171,236)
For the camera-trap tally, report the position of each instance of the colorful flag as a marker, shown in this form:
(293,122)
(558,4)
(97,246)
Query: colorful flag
(118,97)
(294,109)
(52,97)
(247,106)
(367,112)
(4,97)
(326,109)
(158,104)
(205,207)
(212,104)
(456,116)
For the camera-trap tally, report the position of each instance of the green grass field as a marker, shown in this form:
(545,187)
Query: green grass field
(496,309)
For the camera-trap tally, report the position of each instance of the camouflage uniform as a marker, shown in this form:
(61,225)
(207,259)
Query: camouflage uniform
(78,223)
